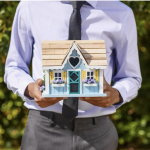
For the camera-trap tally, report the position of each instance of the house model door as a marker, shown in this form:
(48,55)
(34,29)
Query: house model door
(74,82)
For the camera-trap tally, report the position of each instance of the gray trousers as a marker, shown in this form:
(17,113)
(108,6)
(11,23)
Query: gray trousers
(50,131)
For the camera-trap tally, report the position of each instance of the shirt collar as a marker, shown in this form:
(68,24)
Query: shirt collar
(92,3)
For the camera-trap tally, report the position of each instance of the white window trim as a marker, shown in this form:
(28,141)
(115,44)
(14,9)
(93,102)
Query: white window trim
(93,84)
(57,71)
(58,85)
(90,71)
(101,71)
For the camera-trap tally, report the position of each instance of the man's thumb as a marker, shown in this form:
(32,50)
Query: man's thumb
(39,82)
(104,80)
(105,84)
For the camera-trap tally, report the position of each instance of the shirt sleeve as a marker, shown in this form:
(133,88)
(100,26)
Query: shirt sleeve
(17,74)
(127,79)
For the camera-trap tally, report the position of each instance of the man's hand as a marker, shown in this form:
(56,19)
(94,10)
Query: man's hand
(33,90)
(113,96)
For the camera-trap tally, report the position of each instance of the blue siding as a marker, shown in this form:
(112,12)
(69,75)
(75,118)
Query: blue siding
(86,90)
(97,88)
(65,89)
(50,88)
(89,89)
(92,89)
(83,88)
(58,90)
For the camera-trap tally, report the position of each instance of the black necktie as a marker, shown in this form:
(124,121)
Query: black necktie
(70,105)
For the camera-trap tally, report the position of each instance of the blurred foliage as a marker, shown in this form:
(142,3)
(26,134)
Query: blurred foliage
(12,111)
(132,120)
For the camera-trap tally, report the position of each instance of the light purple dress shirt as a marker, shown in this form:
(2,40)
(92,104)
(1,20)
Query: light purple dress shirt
(111,21)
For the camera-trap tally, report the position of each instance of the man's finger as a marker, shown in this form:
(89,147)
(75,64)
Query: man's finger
(96,100)
(92,98)
(99,103)
(104,80)
(58,98)
(81,98)
(104,83)
(53,98)
(108,94)
(106,86)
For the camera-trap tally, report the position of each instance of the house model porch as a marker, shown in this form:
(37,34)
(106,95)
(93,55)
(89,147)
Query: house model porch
(73,68)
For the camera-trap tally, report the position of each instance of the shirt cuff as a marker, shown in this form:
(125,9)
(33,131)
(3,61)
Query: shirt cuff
(123,94)
(22,88)
(25,98)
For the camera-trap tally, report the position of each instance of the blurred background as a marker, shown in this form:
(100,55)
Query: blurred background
(132,120)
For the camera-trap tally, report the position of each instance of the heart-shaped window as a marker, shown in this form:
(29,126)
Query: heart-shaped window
(74,61)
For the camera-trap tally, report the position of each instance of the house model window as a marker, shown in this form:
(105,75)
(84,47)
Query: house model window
(73,68)
(58,75)
(90,74)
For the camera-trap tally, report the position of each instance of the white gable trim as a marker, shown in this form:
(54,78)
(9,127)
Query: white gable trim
(74,47)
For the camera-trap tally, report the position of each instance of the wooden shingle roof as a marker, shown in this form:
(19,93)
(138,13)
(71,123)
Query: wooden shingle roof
(54,52)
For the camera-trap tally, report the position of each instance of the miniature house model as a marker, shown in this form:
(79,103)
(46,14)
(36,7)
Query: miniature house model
(73,68)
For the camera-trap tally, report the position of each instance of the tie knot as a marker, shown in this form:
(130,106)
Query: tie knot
(77,4)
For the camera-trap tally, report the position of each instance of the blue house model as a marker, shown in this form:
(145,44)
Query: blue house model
(73,68)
